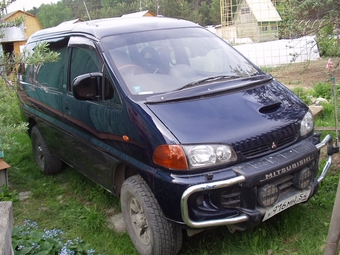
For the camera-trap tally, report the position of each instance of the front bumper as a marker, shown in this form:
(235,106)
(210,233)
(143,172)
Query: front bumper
(252,178)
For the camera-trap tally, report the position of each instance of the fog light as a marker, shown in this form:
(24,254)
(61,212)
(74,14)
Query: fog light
(303,178)
(199,200)
(267,195)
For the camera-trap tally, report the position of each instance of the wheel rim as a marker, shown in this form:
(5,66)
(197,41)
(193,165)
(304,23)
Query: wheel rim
(39,154)
(139,221)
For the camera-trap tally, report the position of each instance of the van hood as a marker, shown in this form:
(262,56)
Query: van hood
(268,111)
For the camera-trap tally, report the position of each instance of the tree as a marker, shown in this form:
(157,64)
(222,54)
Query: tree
(204,14)
(53,14)
(16,22)
(77,8)
(215,12)
(8,66)
(313,17)
(109,3)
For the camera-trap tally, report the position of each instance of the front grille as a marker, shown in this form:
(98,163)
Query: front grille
(265,148)
(267,142)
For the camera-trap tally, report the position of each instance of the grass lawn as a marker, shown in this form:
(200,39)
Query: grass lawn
(70,202)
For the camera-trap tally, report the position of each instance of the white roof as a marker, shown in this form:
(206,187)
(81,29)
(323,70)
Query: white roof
(13,34)
(263,10)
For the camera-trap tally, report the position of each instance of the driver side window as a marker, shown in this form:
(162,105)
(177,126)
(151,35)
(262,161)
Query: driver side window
(83,61)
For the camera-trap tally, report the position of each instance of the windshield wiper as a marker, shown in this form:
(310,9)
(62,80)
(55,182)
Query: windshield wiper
(209,79)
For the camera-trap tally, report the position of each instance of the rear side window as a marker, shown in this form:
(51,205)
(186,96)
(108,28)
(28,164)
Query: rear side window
(51,75)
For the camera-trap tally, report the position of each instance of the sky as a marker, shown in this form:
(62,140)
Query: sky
(27,4)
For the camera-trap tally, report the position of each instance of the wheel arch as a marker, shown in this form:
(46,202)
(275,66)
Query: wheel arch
(31,123)
(121,173)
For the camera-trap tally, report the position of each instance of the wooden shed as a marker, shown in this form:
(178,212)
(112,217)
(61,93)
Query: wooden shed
(146,13)
(16,37)
(257,20)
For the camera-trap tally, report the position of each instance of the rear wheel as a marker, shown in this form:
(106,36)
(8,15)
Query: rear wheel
(47,162)
(149,231)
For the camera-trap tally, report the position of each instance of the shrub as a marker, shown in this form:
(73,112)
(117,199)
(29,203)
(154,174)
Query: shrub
(7,195)
(9,116)
(323,90)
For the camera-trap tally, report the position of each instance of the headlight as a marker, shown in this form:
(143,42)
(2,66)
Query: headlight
(307,124)
(186,157)
(207,155)
(201,155)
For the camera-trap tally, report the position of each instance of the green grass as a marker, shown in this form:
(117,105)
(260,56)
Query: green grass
(72,203)
(67,201)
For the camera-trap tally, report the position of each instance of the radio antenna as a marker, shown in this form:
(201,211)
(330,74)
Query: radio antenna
(88,14)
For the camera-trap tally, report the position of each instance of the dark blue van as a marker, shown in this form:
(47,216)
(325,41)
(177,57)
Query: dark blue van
(169,117)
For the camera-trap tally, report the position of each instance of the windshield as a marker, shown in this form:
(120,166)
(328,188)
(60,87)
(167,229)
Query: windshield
(162,61)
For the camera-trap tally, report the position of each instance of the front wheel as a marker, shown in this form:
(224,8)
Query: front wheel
(150,232)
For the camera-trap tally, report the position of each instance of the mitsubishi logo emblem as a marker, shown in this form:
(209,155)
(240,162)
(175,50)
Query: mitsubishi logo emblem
(274,146)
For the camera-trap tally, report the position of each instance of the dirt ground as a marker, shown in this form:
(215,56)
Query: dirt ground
(307,74)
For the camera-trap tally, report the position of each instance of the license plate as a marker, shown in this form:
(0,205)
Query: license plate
(286,203)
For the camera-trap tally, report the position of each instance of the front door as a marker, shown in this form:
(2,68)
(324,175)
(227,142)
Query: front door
(87,120)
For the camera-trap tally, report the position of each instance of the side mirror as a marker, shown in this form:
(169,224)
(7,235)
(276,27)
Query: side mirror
(86,86)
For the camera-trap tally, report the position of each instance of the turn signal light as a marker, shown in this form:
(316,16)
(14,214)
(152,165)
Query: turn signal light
(170,156)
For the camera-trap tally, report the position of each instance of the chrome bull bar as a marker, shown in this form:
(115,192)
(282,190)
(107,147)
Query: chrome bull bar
(327,141)
(210,186)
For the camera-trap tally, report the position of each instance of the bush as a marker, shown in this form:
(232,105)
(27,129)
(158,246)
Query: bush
(10,122)
(323,90)
(7,195)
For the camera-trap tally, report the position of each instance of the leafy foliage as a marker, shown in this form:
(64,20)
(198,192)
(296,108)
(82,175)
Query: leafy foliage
(312,17)
(10,122)
(16,22)
(303,94)
(323,90)
(52,15)
(203,12)
(299,17)
(329,42)
(9,116)
(7,195)
(27,239)
(41,54)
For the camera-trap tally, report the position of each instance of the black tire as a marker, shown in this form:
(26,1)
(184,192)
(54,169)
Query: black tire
(150,232)
(46,161)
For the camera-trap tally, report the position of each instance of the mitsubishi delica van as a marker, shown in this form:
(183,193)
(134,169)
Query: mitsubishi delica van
(170,118)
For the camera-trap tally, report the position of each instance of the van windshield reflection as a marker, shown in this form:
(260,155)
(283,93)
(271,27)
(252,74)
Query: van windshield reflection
(162,61)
